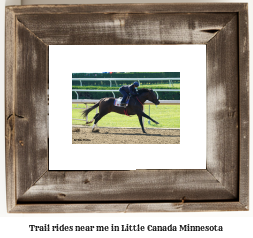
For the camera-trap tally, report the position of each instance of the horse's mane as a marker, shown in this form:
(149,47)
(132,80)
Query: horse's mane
(143,90)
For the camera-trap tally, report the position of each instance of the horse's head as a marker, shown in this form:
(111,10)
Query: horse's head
(152,97)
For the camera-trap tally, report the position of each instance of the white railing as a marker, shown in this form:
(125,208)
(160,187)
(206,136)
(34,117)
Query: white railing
(91,101)
(94,101)
(124,79)
(114,90)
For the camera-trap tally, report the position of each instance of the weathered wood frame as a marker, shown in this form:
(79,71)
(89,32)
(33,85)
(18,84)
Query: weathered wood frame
(222,186)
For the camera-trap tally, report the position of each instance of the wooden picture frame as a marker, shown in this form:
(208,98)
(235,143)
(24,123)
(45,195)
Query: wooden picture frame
(222,186)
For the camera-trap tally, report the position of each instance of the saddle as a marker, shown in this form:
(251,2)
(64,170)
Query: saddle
(117,102)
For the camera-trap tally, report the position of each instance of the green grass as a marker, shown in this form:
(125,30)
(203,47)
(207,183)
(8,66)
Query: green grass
(167,115)
(151,86)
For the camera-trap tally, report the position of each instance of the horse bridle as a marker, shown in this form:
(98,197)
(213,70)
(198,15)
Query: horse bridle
(151,100)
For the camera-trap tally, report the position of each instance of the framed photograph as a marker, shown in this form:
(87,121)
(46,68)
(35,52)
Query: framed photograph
(119,129)
(47,45)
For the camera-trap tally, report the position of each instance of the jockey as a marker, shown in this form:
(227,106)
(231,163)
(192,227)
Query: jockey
(128,89)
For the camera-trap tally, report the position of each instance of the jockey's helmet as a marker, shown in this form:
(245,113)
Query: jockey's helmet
(136,84)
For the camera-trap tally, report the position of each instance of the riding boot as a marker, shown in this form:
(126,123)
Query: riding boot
(123,102)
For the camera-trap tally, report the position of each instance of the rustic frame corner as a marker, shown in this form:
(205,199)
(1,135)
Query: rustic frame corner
(223,186)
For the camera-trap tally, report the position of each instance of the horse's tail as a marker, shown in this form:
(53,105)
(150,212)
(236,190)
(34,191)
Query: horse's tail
(87,111)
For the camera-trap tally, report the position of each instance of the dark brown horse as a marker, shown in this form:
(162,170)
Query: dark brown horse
(135,106)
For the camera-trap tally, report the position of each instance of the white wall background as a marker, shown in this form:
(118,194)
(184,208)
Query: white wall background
(152,58)
(235,223)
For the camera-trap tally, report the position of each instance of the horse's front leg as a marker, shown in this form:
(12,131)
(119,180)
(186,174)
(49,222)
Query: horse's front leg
(145,115)
(140,120)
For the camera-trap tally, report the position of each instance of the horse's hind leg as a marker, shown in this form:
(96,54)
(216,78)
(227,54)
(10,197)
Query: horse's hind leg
(104,108)
(98,117)
(88,122)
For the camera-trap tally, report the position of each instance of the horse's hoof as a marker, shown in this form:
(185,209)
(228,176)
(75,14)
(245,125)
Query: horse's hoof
(157,123)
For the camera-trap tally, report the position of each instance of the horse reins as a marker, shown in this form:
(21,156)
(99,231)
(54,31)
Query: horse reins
(125,110)
(139,101)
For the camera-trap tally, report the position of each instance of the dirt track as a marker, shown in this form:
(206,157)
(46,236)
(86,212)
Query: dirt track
(82,135)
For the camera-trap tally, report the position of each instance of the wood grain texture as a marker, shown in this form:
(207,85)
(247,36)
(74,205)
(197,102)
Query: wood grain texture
(140,185)
(222,107)
(244,106)
(129,8)
(128,207)
(223,186)
(10,64)
(115,29)
(30,108)
(186,207)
